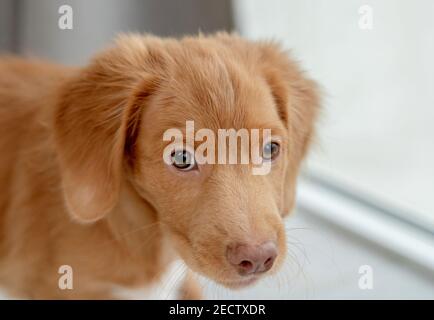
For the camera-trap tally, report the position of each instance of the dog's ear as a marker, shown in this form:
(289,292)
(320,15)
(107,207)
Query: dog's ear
(95,125)
(296,96)
(297,99)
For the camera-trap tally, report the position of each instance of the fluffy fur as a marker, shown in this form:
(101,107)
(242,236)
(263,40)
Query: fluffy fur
(82,179)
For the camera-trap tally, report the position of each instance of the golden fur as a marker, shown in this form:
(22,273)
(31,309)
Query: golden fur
(82,179)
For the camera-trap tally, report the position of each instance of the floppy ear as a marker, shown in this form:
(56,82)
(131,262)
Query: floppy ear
(95,125)
(297,96)
(298,102)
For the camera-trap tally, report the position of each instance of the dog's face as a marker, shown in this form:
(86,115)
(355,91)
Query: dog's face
(224,220)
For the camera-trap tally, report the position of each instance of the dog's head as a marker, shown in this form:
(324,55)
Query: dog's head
(112,125)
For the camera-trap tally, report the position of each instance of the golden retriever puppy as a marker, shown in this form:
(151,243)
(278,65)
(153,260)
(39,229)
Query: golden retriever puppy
(84,183)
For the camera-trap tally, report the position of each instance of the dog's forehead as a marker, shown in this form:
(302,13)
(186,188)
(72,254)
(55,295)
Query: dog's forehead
(217,93)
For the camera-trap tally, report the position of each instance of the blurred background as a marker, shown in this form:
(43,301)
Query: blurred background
(364,223)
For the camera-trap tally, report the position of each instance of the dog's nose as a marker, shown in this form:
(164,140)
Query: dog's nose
(250,259)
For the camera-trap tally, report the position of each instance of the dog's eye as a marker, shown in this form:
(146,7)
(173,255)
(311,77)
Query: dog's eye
(183,160)
(271,151)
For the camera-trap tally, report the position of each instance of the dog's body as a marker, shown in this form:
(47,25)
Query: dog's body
(72,178)
(37,235)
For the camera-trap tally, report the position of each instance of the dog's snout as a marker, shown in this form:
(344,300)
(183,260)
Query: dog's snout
(250,259)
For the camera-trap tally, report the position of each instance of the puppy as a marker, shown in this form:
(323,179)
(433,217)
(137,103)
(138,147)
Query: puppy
(84,185)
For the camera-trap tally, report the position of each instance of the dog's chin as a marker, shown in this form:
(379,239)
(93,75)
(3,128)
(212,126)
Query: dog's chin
(239,283)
